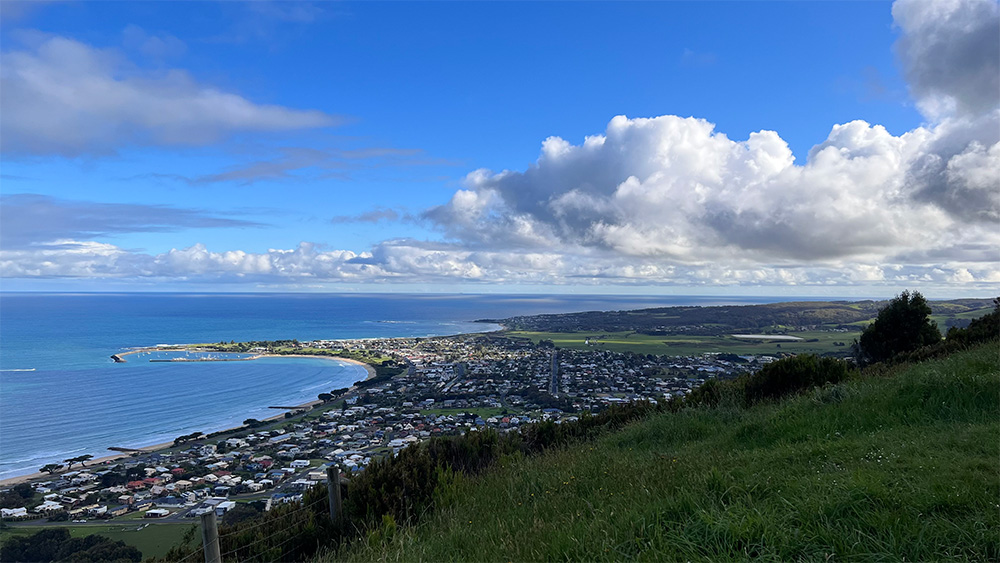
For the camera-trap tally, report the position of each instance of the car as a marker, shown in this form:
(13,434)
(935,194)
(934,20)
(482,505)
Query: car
(80,521)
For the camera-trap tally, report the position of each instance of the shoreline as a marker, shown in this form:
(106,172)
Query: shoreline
(108,459)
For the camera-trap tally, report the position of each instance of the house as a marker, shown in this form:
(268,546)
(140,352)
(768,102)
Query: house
(118,510)
(14,513)
(48,506)
(223,507)
(156,513)
(300,464)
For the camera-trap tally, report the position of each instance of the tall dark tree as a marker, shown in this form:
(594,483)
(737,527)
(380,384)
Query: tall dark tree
(901,326)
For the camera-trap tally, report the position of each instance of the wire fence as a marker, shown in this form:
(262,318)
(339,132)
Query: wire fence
(269,537)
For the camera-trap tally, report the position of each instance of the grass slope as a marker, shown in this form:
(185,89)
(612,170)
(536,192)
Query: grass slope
(897,467)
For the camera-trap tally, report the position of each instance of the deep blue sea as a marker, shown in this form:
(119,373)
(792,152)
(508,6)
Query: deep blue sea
(77,401)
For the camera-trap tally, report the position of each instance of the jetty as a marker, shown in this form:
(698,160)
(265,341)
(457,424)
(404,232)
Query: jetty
(118,359)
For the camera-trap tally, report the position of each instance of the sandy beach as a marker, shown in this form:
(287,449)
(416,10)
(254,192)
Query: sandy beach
(107,460)
(368,368)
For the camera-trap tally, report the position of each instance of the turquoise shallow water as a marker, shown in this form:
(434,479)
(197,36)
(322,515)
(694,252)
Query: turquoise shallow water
(77,401)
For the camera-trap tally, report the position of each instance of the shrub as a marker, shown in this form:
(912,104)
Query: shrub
(792,375)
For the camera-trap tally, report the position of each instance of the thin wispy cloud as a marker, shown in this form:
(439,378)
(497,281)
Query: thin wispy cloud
(377,215)
(32,220)
(63,97)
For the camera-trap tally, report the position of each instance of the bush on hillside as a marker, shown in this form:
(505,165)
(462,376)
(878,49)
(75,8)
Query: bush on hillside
(403,486)
(792,375)
(901,326)
(55,544)
(980,330)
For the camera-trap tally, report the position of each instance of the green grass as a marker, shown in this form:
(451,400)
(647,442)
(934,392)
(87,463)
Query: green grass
(692,345)
(889,468)
(153,540)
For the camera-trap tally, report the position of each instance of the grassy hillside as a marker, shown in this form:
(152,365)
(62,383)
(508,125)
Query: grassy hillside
(901,466)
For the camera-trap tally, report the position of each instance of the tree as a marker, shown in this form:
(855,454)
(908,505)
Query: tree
(901,326)
(325,397)
(24,490)
(242,511)
(51,468)
(55,544)
(82,460)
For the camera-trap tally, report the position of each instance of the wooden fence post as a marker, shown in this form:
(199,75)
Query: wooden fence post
(210,537)
(333,492)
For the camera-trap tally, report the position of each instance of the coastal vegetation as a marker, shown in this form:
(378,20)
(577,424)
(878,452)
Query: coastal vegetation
(888,464)
(807,457)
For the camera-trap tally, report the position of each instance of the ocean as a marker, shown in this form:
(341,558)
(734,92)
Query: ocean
(61,396)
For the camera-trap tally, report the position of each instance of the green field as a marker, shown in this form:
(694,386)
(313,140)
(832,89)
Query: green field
(894,467)
(692,345)
(153,540)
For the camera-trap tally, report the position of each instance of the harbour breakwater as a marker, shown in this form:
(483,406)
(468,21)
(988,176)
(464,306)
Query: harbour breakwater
(206,359)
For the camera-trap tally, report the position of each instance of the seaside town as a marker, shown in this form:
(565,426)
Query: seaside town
(422,388)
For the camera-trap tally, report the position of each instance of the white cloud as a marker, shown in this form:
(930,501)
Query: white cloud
(407,261)
(155,46)
(950,53)
(676,192)
(671,201)
(674,188)
(64,97)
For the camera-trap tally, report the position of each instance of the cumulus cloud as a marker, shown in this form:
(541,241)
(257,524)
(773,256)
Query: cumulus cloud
(28,220)
(64,97)
(950,54)
(676,190)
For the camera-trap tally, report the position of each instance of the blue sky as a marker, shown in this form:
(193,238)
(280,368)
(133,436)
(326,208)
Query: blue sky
(335,146)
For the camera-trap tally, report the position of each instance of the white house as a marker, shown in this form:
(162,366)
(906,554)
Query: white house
(224,507)
(21,512)
(48,506)
(300,464)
